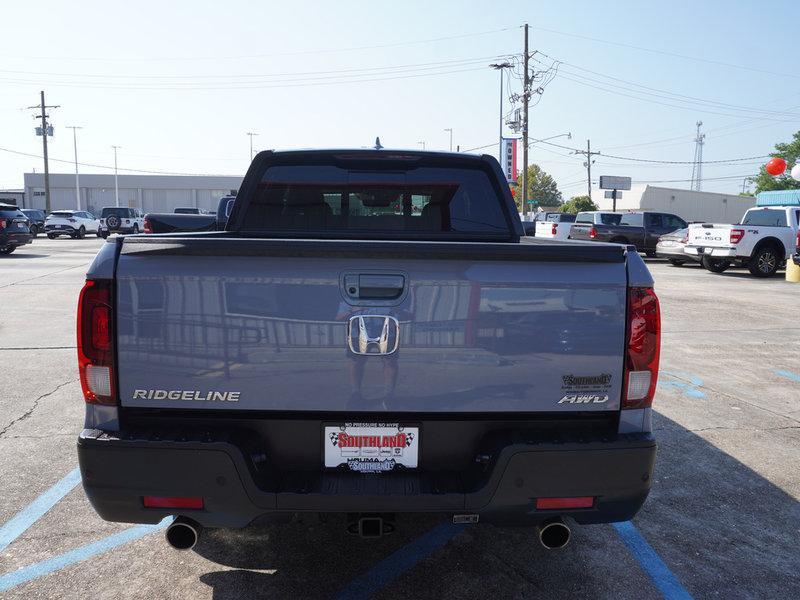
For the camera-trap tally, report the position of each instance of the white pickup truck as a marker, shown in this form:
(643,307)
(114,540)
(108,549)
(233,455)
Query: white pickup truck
(556,226)
(761,242)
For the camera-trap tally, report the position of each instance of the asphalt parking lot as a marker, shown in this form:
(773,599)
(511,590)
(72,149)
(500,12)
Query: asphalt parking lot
(722,521)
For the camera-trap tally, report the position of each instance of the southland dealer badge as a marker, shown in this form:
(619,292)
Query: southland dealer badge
(585,389)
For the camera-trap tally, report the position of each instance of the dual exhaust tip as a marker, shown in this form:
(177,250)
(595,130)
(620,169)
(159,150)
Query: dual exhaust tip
(554,534)
(183,533)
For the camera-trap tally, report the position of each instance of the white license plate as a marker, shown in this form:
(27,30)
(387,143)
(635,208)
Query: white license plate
(371,447)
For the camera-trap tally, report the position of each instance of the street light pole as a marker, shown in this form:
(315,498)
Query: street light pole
(251,134)
(116,181)
(500,67)
(450,129)
(77,180)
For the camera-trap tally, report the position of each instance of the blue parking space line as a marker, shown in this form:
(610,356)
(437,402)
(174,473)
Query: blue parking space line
(651,562)
(397,563)
(788,375)
(36,509)
(77,555)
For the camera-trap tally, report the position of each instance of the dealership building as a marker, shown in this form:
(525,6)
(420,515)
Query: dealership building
(690,205)
(150,193)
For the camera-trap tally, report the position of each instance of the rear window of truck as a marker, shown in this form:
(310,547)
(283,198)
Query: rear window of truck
(425,199)
(765,218)
(636,220)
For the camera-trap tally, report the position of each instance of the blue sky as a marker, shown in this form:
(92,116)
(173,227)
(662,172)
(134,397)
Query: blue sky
(178,84)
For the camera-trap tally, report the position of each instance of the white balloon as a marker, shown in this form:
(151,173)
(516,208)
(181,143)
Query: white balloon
(796,172)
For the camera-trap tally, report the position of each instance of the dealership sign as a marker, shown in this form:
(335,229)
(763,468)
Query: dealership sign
(508,159)
(612,182)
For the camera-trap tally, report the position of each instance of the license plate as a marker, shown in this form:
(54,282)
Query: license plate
(371,447)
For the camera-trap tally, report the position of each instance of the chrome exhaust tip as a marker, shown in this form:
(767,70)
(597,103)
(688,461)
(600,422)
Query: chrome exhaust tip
(183,533)
(554,534)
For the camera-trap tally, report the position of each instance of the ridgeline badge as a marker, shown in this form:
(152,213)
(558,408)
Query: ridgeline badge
(195,395)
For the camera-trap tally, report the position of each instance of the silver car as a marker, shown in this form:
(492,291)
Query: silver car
(671,245)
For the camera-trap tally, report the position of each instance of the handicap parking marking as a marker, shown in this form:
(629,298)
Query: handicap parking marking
(50,565)
(688,384)
(37,509)
(400,561)
(788,375)
(651,563)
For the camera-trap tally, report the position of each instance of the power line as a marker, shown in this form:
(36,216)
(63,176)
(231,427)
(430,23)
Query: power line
(276,54)
(111,168)
(667,53)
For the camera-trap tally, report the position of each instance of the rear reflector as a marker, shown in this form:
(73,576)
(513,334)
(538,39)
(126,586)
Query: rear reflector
(561,503)
(643,348)
(191,502)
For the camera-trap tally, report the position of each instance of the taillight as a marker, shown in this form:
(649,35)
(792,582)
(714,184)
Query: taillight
(642,348)
(736,235)
(95,343)
(554,229)
(3,223)
(148,226)
(592,233)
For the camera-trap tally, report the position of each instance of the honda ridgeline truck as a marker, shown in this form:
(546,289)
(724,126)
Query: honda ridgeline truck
(368,336)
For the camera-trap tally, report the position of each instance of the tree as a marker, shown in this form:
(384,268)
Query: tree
(791,153)
(578,204)
(542,188)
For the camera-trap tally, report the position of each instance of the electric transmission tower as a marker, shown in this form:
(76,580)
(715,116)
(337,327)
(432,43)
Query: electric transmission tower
(697,165)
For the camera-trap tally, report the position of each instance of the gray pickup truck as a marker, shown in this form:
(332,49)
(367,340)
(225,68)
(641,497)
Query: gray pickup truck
(640,229)
(370,336)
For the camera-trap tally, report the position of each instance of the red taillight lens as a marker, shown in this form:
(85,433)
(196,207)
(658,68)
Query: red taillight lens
(736,235)
(3,223)
(592,233)
(95,343)
(643,348)
(561,503)
(148,226)
(554,230)
(192,502)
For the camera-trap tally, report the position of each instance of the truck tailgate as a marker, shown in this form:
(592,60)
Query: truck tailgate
(710,236)
(277,325)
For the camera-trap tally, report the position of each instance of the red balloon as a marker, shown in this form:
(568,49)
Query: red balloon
(776,166)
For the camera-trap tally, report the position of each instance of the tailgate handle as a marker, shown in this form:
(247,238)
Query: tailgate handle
(377,287)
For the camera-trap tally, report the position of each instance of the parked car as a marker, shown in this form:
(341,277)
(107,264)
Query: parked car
(672,245)
(598,217)
(14,230)
(555,225)
(172,222)
(415,316)
(36,220)
(74,223)
(120,219)
(641,229)
(761,242)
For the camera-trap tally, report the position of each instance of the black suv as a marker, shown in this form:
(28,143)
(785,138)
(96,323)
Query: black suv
(14,229)
(120,219)
(36,218)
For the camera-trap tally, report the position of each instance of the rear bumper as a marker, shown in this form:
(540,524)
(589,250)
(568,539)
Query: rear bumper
(65,230)
(698,251)
(15,239)
(238,486)
(674,253)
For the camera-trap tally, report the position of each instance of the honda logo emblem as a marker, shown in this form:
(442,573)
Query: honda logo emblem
(373,334)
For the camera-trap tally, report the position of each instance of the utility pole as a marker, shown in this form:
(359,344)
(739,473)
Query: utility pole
(46,130)
(116,181)
(526,92)
(697,166)
(588,164)
(450,129)
(77,180)
(251,134)
(422,143)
